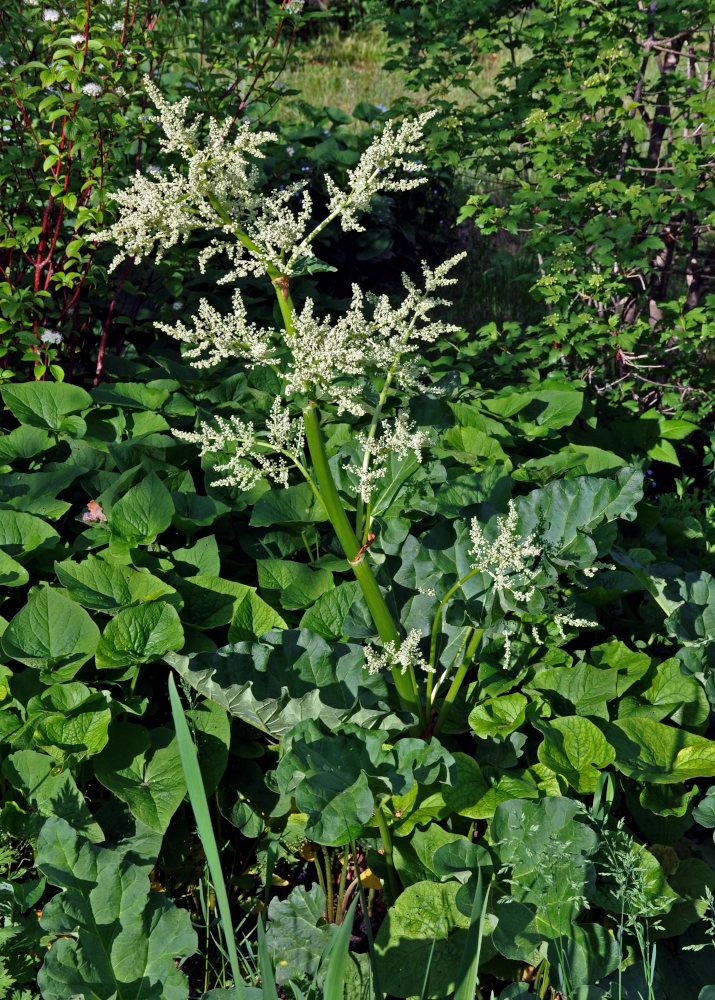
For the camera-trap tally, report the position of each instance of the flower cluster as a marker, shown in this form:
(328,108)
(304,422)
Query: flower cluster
(215,337)
(255,454)
(218,187)
(505,559)
(219,180)
(381,168)
(400,440)
(407,654)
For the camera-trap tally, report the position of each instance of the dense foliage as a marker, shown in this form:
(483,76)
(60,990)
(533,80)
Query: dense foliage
(438,610)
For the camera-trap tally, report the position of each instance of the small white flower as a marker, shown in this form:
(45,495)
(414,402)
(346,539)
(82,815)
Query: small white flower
(50,15)
(92,89)
(154,169)
(51,336)
(77,39)
(293,6)
(176,306)
(290,150)
(118,26)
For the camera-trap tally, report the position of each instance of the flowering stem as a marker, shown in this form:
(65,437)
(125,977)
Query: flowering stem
(435,630)
(387,630)
(458,678)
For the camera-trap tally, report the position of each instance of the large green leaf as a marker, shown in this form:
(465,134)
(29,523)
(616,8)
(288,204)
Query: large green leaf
(70,720)
(498,717)
(652,751)
(476,793)
(210,601)
(336,776)
(294,505)
(566,513)
(574,747)
(327,615)
(49,790)
(52,634)
(116,938)
(23,442)
(12,574)
(298,933)
(587,688)
(294,584)
(144,769)
(425,913)
(678,695)
(287,677)
(45,404)
(21,533)
(140,635)
(106,586)
(36,492)
(143,512)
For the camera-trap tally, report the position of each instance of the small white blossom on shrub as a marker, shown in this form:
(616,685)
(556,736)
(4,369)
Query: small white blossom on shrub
(50,15)
(92,89)
(51,336)
(406,655)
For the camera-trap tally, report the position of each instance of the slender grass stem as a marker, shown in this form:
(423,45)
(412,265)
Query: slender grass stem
(330,895)
(392,878)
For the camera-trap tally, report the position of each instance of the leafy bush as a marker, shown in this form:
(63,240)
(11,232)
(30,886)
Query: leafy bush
(584,130)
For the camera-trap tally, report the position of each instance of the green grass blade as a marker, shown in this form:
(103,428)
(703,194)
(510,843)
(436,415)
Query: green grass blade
(197,798)
(268,975)
(338,957)
(423,992)
(469,968)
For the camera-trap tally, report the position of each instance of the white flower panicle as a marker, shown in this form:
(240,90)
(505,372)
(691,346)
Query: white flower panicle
(564,618)
(323,352)
(218,187)
(256,455)
(216,337)
(505,559)
(407,654)
(273,228)
(400,439)
(91,89)
(380,168)
(219,181)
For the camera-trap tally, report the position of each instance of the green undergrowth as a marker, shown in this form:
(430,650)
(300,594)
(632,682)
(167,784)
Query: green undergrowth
(362,647)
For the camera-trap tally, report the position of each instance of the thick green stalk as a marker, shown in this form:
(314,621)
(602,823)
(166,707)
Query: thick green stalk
(457,681)
(387,630)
